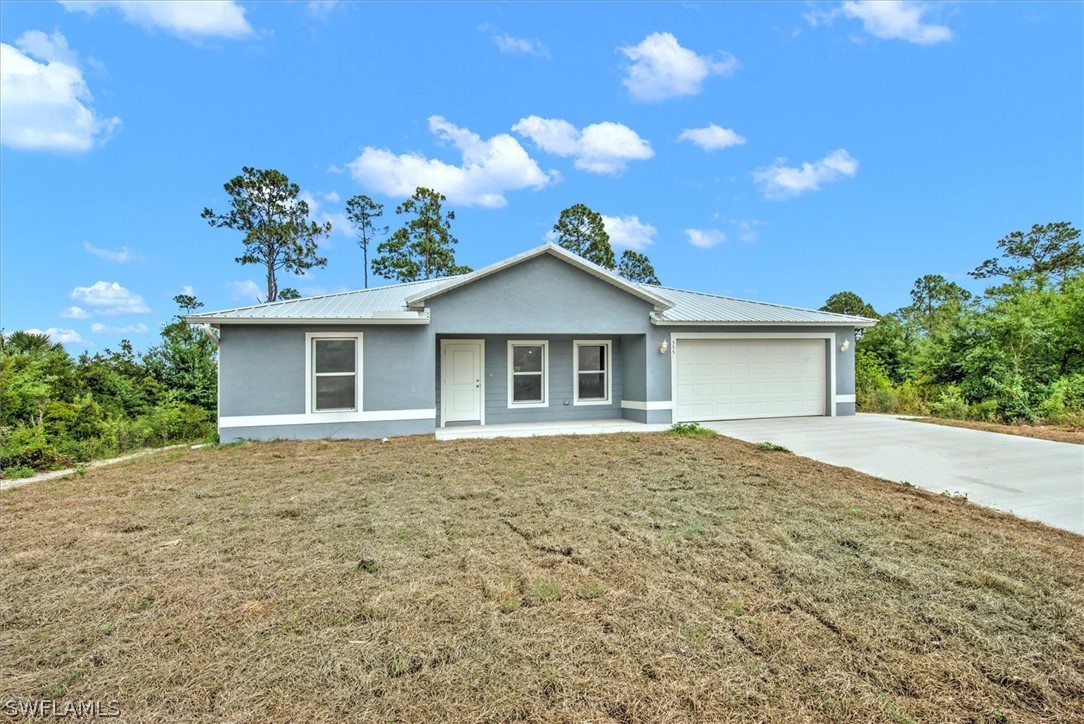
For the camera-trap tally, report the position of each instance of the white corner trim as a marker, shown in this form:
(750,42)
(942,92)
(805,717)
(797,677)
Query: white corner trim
(844,398)
(327,417)
(654,405)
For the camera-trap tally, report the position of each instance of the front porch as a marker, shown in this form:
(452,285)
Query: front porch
(535,429)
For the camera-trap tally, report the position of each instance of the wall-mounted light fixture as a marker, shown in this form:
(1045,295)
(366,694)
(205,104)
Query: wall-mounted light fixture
(663,346)
(845,346)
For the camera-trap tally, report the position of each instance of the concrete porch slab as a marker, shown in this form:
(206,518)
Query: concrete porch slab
(534,429)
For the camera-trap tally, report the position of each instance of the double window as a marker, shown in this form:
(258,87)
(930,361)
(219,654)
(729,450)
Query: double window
(528,373)
(591,360)
(334,363)
(528,369)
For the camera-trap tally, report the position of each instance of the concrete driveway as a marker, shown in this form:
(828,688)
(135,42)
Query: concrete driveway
(1035,479)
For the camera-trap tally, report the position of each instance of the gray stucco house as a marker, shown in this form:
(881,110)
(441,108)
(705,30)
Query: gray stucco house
(542,336)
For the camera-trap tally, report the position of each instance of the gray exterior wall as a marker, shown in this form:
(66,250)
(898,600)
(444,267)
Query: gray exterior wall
(262,372)
(540,297)
(333,430)
(660,381)
(561,389)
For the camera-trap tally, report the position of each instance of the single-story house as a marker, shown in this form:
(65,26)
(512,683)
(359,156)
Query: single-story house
(544,336)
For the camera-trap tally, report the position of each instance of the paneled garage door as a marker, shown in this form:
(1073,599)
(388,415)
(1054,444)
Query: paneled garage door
(725,379)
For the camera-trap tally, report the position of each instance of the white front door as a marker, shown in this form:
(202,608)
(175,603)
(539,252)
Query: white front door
(461,381)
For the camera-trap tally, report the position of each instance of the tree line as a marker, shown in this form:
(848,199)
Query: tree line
(279,236)
(1012,354)
(56,410)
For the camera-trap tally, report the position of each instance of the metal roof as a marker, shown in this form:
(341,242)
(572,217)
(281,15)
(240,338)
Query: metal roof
(379,304)
(403,303)
(700,308)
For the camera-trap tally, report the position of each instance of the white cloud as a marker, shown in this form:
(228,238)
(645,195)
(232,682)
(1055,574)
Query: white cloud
(188,289)
(662,69)
(712,137)
(705,238)
(110,299)
(321,9)
(339,222)
(48,47)
(121,256)
(888,20)
(779,181)
(184,18)
(489,168)
(511,45)
(629,232)
(47,104)
(246,291)
(605,147)
(747,230)
(64,336)
(99,328)
(75,313)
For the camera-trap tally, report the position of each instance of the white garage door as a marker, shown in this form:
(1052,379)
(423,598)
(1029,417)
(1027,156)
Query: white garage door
(725,379)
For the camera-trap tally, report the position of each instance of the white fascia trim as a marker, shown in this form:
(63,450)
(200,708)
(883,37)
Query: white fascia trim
(656,405)
(413,318)
(830,337)
(860,324)
(844,398)
(326,417)
(608,344)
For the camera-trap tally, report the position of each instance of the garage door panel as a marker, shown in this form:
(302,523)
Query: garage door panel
(740,378)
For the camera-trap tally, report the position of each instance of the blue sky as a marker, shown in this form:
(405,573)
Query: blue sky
(779,152)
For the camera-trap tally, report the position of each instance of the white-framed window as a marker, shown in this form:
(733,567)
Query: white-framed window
(333,366)
(528,372)
(591,371)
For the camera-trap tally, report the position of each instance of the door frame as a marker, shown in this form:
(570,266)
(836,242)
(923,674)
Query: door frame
(829,337)
(481,345)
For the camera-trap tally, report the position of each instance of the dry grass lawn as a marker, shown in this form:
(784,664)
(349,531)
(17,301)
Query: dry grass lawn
(618,578)
(1042,432)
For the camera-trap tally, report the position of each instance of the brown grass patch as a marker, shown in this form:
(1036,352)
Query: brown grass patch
(616,578)
(1041,432)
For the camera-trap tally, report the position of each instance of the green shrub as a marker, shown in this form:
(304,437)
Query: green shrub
(985,411)
(885,400)
(951,404)
(27,447)
(18,471)
(1065,403)
(909,399)
(691,429)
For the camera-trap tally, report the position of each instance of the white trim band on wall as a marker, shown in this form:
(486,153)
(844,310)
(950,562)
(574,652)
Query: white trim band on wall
(637,405)
(329,417)
(844,398)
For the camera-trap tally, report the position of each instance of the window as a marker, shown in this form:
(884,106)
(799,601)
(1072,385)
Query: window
(334,361)
(527,363)
(591,360)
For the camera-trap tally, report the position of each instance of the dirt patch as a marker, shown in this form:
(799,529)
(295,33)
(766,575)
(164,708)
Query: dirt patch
(611,578)
(1041,432)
